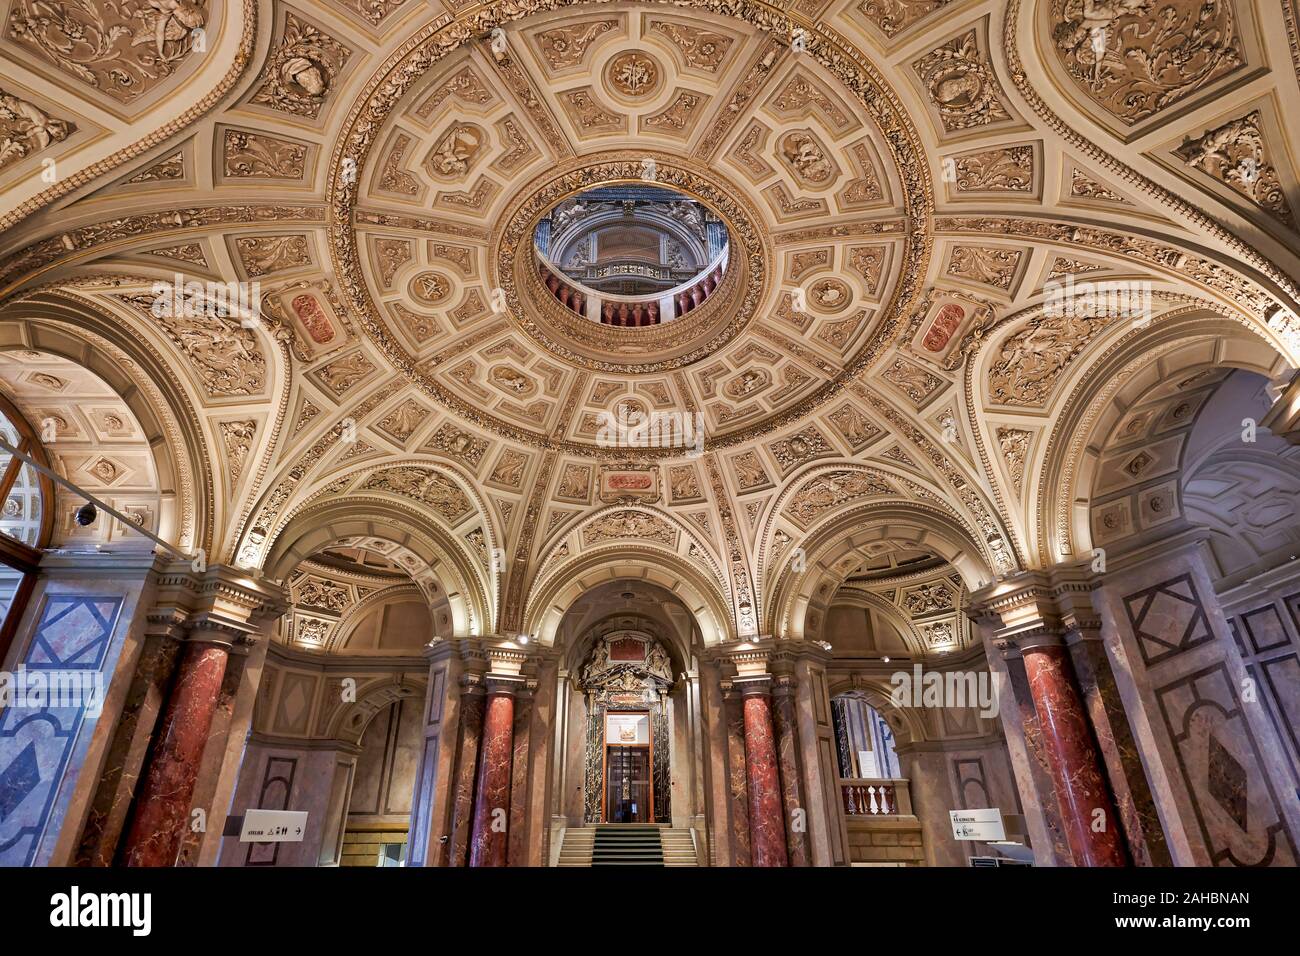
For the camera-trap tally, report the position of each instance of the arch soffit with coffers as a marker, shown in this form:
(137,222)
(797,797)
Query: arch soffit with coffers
(560,586)
(569,539)
(348,485)
(1093,406)
(835,548)
(89,336)
(776,516)
(327,522)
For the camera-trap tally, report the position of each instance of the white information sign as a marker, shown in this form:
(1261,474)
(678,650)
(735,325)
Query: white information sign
(867,765)
(985,825)
(273,826)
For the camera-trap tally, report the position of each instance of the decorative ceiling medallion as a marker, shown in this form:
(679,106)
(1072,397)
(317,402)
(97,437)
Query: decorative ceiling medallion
(830,295)
(634,74)
(960,80)
(430,287)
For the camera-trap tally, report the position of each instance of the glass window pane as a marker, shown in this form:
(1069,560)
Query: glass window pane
(20,512)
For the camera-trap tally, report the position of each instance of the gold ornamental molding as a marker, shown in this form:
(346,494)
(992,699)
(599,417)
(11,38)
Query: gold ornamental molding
(104,237)
(1189,212)
(365,123)
(703,331)
(83,177)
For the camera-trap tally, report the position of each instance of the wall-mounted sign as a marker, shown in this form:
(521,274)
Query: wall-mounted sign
(983,825)
(273,826)
(867,765)
(627,729)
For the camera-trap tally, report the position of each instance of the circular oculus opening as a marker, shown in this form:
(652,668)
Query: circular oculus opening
(631,256)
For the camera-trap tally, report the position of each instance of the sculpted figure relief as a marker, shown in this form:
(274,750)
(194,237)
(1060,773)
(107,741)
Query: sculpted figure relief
(1139,57)
(831,489)
(1031,360)
(301,70)
(1236,155)
(25,129)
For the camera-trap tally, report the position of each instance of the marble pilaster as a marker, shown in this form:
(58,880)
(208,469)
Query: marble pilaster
(469,738)
(163,642)
(737,776)
(785,727)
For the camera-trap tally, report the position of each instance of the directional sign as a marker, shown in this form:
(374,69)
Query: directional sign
(977,824)
(273,826)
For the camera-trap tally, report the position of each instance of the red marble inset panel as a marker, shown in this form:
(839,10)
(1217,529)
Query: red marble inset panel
(628,649)
(942,328)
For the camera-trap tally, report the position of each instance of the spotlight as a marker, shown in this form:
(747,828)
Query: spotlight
(523,638)
(86,514)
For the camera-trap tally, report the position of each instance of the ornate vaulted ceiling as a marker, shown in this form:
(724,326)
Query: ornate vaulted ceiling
(878,372)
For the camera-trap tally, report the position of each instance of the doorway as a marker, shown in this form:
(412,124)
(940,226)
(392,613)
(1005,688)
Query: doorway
(629,794)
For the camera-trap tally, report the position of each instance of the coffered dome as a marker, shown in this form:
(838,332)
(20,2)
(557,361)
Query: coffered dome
(627,110)
(863,257)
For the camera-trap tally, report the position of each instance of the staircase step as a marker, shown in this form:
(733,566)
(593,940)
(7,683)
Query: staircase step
(627,844)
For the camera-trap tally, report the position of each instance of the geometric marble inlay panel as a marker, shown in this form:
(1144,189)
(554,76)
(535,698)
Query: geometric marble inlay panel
(74,634)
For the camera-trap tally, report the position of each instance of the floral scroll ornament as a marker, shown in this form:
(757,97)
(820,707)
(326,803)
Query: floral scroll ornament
(1139,57)
(86,39)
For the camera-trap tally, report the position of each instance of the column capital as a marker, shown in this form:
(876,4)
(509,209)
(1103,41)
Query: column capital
(210,628)
(219,605)
(166,622)
(1020,611)
(753,685)
(760,654)
(510,684)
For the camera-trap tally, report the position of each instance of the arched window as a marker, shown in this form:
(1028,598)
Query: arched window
(864,741)
(26,518)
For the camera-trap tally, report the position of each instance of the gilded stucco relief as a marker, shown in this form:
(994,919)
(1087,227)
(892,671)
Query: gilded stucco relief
(842,332)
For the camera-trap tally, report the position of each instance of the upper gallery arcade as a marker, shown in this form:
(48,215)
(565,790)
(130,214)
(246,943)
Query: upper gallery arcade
(543,433)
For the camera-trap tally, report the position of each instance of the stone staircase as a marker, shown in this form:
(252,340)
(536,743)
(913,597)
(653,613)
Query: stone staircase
(627,844)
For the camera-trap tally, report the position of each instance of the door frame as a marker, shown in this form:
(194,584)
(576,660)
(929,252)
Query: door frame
(604,761)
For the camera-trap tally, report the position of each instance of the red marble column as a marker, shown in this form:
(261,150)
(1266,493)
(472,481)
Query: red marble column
(763,780)
(1072,755)
(162,805)
(488,841)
